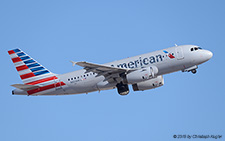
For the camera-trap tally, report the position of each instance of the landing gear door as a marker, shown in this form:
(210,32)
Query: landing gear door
(179,52)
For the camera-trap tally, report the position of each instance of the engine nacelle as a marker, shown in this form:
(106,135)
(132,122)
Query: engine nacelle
(141,75)
(149,84)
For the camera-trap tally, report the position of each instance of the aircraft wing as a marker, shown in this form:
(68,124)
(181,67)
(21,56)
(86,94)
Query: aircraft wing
(98,67)
(107,71)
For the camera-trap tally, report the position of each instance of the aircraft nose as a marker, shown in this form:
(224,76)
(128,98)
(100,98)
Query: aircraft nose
(208,54)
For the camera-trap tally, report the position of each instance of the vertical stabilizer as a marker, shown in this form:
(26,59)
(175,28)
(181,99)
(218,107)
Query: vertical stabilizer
(28,69)
(33,73)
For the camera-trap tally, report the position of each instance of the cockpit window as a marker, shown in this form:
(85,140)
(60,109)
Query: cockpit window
(195,48)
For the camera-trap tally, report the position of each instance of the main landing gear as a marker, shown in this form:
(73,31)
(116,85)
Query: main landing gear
(122,89)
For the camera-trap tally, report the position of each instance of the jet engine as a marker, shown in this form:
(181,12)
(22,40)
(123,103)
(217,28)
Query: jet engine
(141,75)
(149,84)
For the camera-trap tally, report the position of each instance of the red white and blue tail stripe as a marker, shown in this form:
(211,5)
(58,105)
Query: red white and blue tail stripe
(33,73)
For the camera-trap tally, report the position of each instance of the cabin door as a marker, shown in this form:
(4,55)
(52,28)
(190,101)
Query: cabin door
(179,52)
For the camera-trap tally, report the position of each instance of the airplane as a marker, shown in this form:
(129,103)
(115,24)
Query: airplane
(143,72)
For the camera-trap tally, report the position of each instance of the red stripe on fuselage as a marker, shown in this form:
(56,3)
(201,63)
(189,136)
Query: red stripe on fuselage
(17,59)
(11,52)
(47,87)
(23,67)
(28,75)
(42,80)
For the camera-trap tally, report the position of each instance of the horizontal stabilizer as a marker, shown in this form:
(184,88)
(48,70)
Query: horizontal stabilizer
(25,87)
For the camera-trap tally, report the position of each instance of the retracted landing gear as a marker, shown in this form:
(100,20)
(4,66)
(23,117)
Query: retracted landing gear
(122,89)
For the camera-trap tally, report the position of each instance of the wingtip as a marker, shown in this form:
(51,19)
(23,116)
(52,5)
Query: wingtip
(73,63)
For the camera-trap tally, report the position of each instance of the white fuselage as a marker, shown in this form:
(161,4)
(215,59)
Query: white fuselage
(168,60)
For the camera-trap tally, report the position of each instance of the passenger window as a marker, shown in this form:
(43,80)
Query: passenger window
(74,77)
(84,75)
(78,77)
(192,49)
(87,74)
(71,78)
(196,48)
(68,79)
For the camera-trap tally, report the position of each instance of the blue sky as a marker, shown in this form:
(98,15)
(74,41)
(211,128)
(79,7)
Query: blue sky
(55,32)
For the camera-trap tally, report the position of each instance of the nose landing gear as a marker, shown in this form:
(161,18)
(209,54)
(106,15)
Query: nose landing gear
(191,69)
(194,71)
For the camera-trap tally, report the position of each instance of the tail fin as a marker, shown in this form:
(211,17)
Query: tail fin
(30,71)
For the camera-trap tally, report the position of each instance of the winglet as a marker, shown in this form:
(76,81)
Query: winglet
(73,63)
